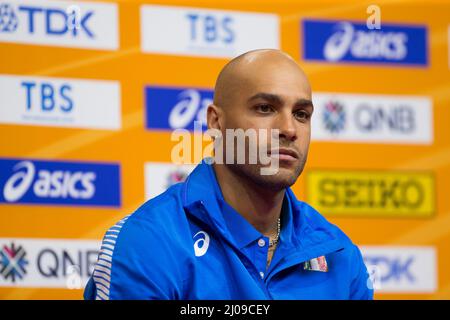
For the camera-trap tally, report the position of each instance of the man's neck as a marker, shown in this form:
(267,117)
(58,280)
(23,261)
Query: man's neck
(261,207)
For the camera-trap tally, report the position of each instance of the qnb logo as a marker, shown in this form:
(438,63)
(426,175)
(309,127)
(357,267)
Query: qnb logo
(201,245)
(13,262)
(176,176)
(50,21)
(8,19)
(73,277)
(399,119)
(334,117)
(49,184)
(365,44)
(190,108)
(391,269)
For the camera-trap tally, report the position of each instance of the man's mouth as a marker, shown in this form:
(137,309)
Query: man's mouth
(284,154)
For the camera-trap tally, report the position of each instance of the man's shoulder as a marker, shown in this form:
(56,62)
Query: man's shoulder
(158,218)
(317,221)
(144,247)
(166,206)
(348,252)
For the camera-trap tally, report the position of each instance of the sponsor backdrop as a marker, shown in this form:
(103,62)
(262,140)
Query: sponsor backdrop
(90,92)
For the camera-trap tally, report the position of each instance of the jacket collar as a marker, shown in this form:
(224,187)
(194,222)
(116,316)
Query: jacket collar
(200,196)
(303,228)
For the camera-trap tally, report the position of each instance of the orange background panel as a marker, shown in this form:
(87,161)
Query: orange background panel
(134,145)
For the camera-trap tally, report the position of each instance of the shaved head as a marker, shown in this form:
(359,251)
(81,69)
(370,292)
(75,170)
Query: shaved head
(241,70)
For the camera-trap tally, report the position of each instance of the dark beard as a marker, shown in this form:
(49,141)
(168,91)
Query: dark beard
(276,182)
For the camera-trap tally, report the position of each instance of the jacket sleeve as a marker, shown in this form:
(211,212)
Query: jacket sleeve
(361,286)
(136,261)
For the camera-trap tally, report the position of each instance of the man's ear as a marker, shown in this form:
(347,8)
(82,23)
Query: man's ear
(214,116)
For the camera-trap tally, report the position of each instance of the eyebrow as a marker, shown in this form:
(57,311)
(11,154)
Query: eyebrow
(275,99)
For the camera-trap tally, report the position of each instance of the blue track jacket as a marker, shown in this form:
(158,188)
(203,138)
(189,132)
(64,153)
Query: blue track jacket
(188,243)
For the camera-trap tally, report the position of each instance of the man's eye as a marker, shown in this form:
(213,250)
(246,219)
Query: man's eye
(264,108)
(302,115)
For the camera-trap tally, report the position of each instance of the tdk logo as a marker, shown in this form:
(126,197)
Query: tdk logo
(56,21)
(176,108)
(339,41)
(8,19)
(407,269)
(60,23)
(393,269)
(45,182)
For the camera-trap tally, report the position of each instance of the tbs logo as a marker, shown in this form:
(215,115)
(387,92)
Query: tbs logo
(205,32)
(211,29)
(48,96)
(45,182)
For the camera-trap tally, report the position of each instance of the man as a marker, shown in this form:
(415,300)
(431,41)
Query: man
(228,231)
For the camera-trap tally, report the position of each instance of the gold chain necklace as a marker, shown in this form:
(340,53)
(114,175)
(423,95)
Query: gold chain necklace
(277,238)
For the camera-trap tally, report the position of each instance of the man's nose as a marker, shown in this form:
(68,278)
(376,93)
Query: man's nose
(287,126)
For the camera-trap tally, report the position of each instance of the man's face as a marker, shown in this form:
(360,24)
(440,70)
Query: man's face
(274,96)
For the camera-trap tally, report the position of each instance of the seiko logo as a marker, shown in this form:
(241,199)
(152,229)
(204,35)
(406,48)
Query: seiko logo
(201,245)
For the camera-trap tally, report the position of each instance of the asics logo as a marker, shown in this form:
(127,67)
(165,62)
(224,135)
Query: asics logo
(365,45)
(18,183)
(191,107)
(201,245)
(48,184)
